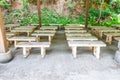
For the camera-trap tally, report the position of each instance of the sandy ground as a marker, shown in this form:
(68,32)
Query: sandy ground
(59,64)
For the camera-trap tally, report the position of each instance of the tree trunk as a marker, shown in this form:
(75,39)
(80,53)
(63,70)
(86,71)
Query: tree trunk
(39,11)
(87,10)
(98,21)
(3,41)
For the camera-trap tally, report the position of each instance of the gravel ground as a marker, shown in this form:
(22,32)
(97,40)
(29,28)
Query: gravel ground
(59,64)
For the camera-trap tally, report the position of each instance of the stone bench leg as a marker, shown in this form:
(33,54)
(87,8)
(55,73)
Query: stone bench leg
(49,38)
(28,34)
(15,43)
(9,43)
(100,34)
(97,52)
(109,39)
(43,52)
(26,51)
(38,38)
(74,51)
(97,33)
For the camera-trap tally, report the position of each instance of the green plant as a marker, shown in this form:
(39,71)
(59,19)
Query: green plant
(13,16)
(25,4)
(115,5)
(93,15)
(28,18)
(48,16)
(105,13)
(4,4)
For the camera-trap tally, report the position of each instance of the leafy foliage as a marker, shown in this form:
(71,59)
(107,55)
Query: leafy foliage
(50,16)
(25,4)
(24,17)
(115,5)
(109,14)
(4,4)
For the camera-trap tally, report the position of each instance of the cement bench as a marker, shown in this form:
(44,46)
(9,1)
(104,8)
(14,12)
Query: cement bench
(28,45)
(50,31)
(109,37)
(78,34)
(37,24)
(10,34)
(95,30)
(91,38)
(48,34)
(100,32)
(117,26)
(25,27)
(117,38)
(95,44)
(10,26)
(74,28)
(21,38)
(75,25)
(55,24)
(75,31)
(49,28)
(28,31)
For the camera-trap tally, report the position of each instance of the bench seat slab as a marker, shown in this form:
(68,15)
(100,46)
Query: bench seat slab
(28,45)
(95,44)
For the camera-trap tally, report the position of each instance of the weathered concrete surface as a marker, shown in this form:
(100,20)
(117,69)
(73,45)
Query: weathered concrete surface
(59,64)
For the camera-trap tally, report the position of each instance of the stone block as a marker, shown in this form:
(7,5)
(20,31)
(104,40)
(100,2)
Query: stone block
(6,57)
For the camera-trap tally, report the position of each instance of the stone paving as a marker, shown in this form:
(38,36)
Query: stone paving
(59,64)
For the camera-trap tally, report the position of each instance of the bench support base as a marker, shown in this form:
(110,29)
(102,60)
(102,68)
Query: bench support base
(26,51)
(74,52)
(43,52)
(97,52)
